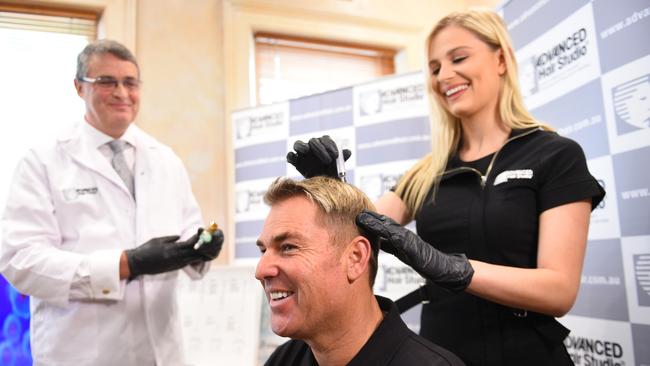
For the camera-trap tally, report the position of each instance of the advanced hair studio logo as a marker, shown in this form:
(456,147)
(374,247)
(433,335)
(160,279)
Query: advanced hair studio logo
(528,76)
(247,199)
(560,56)
(586,351)
(254,125)
(381,100)
(374,185)
(398,276)
(631,101)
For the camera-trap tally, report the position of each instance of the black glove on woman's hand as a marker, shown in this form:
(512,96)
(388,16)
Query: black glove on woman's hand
(451,271)
(165,254)
(318,157)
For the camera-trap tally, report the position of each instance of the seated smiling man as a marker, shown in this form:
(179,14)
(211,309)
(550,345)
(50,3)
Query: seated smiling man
(317,271)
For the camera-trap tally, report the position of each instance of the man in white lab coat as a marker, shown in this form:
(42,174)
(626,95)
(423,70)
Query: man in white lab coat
(99,251)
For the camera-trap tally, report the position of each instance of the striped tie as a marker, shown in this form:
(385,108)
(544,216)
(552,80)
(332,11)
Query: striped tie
(119,164)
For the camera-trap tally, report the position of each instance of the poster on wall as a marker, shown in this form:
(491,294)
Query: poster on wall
(558,61)
(384,123)
(585,70)
(220,317)
(598,342)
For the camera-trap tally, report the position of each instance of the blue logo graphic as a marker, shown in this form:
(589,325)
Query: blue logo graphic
(632,105)
(642,276)
(528,76)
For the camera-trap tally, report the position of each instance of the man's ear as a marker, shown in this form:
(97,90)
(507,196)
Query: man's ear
(77,86)
(358,258)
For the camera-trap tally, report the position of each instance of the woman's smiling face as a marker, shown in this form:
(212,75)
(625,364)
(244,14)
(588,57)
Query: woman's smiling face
(465,72)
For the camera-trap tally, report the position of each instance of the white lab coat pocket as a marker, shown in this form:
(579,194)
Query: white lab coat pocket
(56,335)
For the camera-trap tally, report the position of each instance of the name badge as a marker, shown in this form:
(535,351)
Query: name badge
(504,176)
(73,193)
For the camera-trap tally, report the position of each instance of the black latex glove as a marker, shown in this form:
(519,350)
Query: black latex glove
(318,157)
(165,254)
(451,271)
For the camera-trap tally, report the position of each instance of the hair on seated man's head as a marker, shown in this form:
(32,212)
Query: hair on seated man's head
(339,204)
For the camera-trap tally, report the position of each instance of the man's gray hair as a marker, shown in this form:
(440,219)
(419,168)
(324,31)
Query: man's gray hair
(100,47)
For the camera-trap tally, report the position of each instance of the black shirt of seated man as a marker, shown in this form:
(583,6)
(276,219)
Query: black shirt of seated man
(392,343)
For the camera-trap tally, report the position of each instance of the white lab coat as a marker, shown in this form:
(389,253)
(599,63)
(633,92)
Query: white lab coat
(67,203)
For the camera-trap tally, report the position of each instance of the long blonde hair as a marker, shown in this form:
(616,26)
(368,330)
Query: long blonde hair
(446,128)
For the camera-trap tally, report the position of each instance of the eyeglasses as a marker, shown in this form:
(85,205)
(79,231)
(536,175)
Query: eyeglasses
(110,83)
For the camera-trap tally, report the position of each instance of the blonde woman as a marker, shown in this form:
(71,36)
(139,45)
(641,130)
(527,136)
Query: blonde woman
(499,187)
